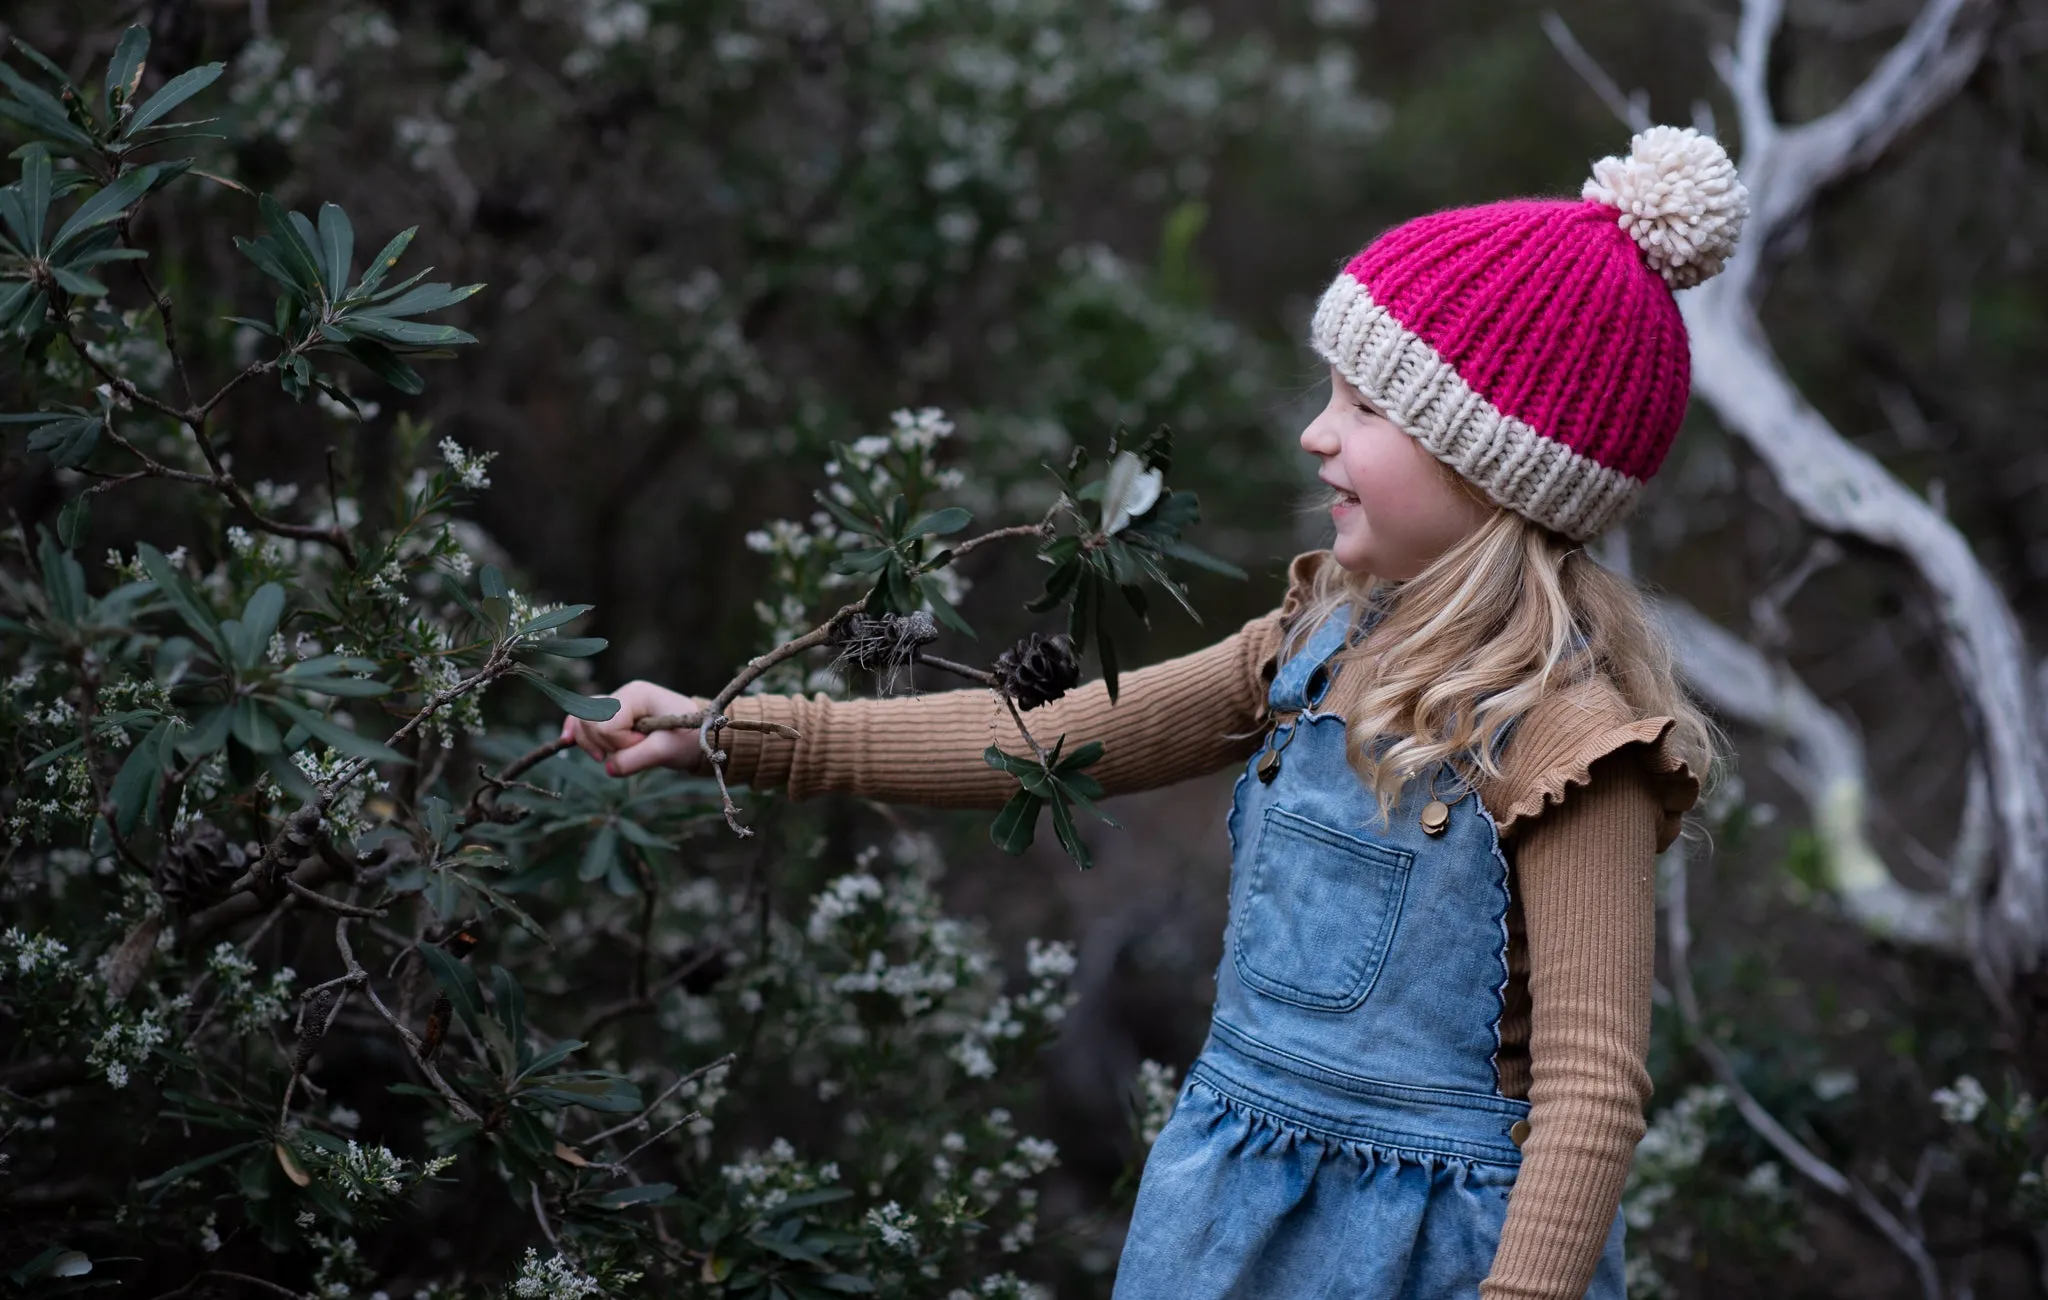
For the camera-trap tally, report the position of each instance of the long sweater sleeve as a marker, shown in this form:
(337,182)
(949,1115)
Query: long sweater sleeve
(1584,878)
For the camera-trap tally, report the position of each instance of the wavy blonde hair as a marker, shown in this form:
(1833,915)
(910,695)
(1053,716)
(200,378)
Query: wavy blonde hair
(1485,633)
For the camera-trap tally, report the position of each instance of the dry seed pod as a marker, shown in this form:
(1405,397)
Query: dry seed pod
(1038,670)
(437,1027)
(313,1027)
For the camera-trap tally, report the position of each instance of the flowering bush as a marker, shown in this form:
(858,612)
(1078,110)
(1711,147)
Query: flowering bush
(363,966)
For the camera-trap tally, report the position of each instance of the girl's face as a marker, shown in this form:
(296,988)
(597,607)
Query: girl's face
(1396,507)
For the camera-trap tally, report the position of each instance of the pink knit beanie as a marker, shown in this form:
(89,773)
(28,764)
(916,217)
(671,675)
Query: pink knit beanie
(1534,345)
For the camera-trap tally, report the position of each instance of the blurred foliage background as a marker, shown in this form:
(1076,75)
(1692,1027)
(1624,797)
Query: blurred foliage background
(720,236)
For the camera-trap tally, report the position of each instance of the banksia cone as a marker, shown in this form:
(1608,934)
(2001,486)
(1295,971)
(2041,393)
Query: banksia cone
(1038,670)
(195,871)
(313,1027)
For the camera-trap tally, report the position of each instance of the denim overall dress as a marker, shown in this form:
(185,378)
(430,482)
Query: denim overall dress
(1343,1132)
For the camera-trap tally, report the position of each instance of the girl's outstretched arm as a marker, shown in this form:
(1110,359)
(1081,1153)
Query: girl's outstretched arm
(1171,721)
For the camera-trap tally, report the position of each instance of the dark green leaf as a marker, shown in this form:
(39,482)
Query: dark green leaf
(571,647)
(408,333)
(37,108)
(591,1089)
(108,204)
(553,1056)
(210,734)
(387,366)
(1200,559)
(1083,756)
(68,439)
(77,283)
(173,93)
(508,1003)
(374,273)
(337,246)
(35,193)
(71,521)
(1016,823)
(942,608)
(268,259)
(619,1197)
(259,620)
(940,523)
(254,727)
(290,247)
(599,853)
(182,595)
(458,981)
(552,619)
(1070,834)
(124,70)
(135,784)
(491,581)
(591,708)
(865,561)
(354,744)
(425,298)
(352,688)
(847,519)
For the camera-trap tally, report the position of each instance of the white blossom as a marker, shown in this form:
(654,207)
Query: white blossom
(1962,1101)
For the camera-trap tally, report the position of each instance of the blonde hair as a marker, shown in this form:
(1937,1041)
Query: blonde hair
(1489,630)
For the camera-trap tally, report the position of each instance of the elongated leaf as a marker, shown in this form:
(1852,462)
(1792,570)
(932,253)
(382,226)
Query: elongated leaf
(135,784)
(940,523)
(268,259)
(1083,756)
(847,519)
(458,981)
(620,1197)
(322,664)
(254,727)
(943,609)
(387,258)
(337,246)
(352,743)
(591,1089)
(425,298)
(591,708)
(408,333)
(170,1176)
(210,734)
(124,70)
(490,580)
(77,283)
(107,205)
(291,248)
(1200,559)
(508,1003)
(259,620)
(571,647)
(599,853)
(35,107)
(173,93)
(182,595)
(101,256)
(1017,823)
(1070,834)
(35,193)
(387,366)
(552,1057)
(353,688)
(552,619)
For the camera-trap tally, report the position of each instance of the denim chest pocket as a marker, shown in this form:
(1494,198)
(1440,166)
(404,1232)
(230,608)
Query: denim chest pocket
(1319,912)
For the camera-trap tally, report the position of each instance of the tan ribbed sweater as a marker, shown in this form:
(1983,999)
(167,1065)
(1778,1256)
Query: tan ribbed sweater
(1586,798)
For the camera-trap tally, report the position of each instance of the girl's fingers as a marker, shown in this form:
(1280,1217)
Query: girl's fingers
(641,753)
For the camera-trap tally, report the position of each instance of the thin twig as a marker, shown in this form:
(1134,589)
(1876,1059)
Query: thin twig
(460,1108)
(670,1091)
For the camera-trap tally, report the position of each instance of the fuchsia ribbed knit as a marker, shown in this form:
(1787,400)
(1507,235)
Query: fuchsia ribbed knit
(1534,345)
(1546,309)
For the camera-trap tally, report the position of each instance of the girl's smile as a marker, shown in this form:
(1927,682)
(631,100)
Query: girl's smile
(1396,507)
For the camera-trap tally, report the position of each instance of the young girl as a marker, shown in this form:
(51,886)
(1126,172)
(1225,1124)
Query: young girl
(1463,746)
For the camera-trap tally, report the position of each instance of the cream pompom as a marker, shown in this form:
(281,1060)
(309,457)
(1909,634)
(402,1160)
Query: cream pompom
(1680,200)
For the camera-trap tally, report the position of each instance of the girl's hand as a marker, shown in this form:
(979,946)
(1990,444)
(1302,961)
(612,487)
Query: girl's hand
(624,751)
